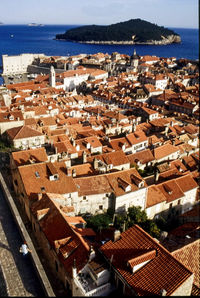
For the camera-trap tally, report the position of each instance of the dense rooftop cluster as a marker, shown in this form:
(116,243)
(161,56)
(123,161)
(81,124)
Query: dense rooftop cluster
(102,133)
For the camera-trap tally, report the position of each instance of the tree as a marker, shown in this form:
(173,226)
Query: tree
(119,221)
(161,223)
(136,216)
(150,227)
(98,222)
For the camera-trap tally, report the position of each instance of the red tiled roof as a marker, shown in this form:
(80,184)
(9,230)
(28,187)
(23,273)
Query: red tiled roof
(26,156)
(190,257)
(171,190)
(143,156)
(162,272)
(68,244)
(164,151)
(186,182)
(22,132)
(33,184)
(154,196)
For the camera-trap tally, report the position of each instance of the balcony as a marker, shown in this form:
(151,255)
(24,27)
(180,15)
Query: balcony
(88,287)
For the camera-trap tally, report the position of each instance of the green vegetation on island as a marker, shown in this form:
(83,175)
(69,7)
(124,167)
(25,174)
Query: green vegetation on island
(133,31)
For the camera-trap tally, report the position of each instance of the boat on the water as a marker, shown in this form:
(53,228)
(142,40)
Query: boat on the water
(35,24)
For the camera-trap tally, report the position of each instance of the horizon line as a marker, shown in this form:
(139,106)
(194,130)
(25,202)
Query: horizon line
(53,24)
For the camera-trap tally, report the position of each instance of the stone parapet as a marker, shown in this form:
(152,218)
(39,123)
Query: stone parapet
(22,229)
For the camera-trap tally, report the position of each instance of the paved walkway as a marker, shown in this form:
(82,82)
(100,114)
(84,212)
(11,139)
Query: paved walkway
(17,275)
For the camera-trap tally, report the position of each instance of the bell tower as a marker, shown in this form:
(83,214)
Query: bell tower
(52,77)
(134,61)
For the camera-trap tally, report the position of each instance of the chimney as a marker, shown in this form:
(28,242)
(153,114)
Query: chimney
(74,269)
(166,131)
(156,176)
(73,142)
(73,173)
(69,171)
(95,163)
(117,235)
(163,292)
(39,196)
(84,157)
(92,253)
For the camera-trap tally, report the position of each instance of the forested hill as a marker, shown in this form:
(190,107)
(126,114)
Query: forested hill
(134,31)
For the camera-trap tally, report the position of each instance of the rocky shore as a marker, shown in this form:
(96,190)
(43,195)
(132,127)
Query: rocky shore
(165,41)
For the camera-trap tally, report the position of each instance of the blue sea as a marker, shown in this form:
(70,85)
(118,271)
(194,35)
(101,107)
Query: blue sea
(18,39)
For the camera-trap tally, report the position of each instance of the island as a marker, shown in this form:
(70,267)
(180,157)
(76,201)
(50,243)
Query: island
(134,31)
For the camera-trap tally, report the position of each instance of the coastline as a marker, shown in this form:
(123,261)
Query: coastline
(165,41)
(41,41)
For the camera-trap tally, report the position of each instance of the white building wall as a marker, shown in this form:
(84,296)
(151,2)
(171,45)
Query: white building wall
(7,125)
(72,82)
(18,63)
(96,149)
(188,200)
(161,84)
(101,76)
(136,198)
(29,142)
(172,156)
(91,203)
(122,167)
(155,209)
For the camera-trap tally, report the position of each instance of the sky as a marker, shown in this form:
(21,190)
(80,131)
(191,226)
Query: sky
(168,13)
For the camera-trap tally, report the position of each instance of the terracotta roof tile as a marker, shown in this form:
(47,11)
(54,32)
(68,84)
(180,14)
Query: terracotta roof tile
(164,151)
(115,158)
(68,244)
(154,196)
(171,190)
(143,157)
(34,182)
(161,272)
(190,257)
(22,132)
(29,156)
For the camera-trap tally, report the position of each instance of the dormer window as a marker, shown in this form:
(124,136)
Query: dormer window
(141,184)
(168,189)
(53,173)
(56,177)
(11,117)
(123,184)
(141,259)
(136,180)
(42,188)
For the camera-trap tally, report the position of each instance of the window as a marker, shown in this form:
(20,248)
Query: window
(37,174)
(170,205)
(100,207)
(42,188)
(179,202)
(16,183)
(84,198)
(56,177)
